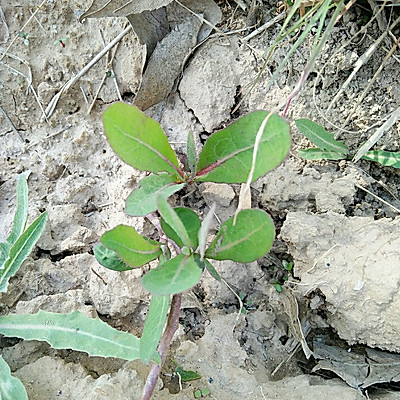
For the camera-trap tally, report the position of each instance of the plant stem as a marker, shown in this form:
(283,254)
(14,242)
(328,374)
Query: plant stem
(172,326)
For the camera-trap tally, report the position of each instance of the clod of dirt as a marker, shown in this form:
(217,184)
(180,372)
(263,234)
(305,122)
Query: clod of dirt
(354,263)
(284,190)
(80,241)
(117,294)
(215,76)
(59,303)
(49,378)
(222,195)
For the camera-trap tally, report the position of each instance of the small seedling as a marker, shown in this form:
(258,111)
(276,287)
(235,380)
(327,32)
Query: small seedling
(247,305)
(61,42)
(13,252)
(244,151)
(202,392)
(25,36)
(330,149)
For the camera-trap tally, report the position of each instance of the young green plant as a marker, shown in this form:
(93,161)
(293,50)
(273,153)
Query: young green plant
(13,252)
(182,250)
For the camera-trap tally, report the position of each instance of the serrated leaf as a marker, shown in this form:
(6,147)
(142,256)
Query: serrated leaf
(186,375)
(72,331)
(318,154)
(139,140)
(386,158)
(175,223)
(143,200)
(20,217)
(227,154)
(21,250)
(320,137)
(191,223)
(191,153)
(250,238)
(153,327)
(109,258)
(11,388)
(134,249)
(174,276)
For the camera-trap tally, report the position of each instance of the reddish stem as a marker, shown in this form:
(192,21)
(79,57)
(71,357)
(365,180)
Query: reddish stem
(172,326)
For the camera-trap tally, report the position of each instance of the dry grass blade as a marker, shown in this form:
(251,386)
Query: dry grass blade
(53,102)
(395,116)
(378,198)
(4,32)
(360,62)
(245,194)
(22,29)
(14,129)
(372,80)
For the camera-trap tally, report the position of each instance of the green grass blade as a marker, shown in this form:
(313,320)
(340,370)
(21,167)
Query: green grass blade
(11,388)
(143,200)
(139,140)
(153,327)
(386,158)
(72,331)
(21,249)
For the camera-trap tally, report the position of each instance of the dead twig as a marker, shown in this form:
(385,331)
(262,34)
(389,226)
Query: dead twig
(53,103)
(28,78)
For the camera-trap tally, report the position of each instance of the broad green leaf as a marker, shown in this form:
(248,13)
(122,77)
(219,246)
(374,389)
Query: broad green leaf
(318,154)
(143,200)
(191,153)
(246,241)
(191,223)
(186,375)
(174,276)
(386,158)
(153,327)
(227,154)
(21,214)
(72,331)
(139,140)
(176,224)
(109,258)
(21,250)
(134,249)
(203,231)
(320,137)
(11,388)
